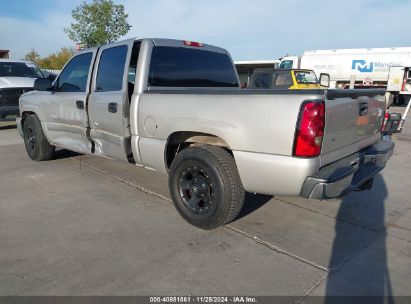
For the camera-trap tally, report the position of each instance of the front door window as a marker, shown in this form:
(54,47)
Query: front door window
(75,74)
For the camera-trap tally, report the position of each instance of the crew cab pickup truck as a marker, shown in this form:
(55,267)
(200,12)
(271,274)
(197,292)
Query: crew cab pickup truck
(176,107)
(16,78)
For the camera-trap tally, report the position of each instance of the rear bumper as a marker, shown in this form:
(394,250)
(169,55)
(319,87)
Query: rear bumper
(7,111)
(351,173)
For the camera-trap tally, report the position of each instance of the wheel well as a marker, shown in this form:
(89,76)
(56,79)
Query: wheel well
(24,115)
(178,141)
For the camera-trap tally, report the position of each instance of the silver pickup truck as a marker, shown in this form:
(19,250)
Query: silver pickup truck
(176,107)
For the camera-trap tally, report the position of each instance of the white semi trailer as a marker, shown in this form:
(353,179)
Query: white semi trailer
(355,68)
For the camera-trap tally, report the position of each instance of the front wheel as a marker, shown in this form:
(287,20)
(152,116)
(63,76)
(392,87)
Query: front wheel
(205,186)
(37,146)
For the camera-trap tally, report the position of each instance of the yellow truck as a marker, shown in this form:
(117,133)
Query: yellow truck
(293,79)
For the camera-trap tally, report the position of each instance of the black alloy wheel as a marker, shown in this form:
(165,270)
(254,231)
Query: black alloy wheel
(205,186)
(197,190)
(37,146)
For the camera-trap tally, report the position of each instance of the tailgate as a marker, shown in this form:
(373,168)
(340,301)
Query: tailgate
(353,121)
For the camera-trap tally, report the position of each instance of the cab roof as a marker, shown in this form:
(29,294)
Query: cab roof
(170,43)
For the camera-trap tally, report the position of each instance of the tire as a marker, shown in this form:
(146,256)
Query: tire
(399,100)
(205,186)
(402,100)
(37,146)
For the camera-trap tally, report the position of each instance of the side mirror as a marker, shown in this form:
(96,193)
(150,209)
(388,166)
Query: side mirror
(52,77)
(325,80)
(42,84)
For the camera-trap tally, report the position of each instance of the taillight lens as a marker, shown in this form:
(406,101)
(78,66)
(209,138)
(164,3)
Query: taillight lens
(310,129)
(384,123)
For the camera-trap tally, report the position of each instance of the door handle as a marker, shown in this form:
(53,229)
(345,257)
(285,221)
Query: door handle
(112,107)
(80,104)
(363,109)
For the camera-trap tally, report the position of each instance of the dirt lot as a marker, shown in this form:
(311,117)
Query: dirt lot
(80,225)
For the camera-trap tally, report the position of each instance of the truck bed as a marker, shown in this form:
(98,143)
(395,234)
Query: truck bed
(345,130)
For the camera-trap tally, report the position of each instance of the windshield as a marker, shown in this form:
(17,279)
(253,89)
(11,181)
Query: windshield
(286,64)
(305,77)
(19,69)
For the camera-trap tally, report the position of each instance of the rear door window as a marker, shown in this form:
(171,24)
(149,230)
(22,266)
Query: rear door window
(111,69)
(186,67)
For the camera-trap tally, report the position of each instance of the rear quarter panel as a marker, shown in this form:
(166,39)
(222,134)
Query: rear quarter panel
(260,122)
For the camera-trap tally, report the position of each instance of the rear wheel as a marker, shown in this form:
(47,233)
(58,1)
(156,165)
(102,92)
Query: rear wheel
(37,146)
(205,186)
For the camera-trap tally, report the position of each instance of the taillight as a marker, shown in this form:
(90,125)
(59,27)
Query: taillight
(384,122)
(404,82)
(310,129)
(192,43)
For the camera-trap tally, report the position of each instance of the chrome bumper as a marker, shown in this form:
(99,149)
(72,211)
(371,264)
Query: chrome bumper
(355,172)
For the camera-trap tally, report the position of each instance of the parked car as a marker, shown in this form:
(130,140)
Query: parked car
(294,79)
(16,78)
(183,114)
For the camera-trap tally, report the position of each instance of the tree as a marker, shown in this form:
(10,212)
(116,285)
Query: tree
(54,61)
(32,56)
(97,23)
(57,60)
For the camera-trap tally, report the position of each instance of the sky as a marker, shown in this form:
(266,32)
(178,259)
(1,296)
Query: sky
(248,29)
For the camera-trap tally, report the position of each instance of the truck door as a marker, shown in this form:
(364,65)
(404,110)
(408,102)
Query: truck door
(109,103)
(67,122)
(395,79)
